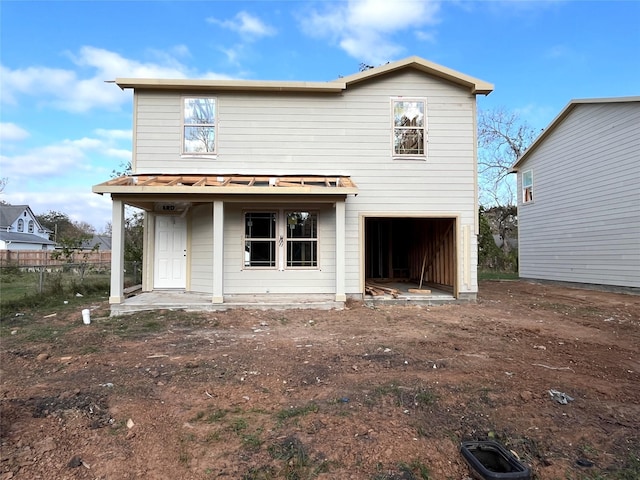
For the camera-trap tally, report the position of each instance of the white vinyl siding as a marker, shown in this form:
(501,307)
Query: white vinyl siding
(201,249)
(585,223)
(328,134)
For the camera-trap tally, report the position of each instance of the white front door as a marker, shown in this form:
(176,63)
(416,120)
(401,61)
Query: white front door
(170,267)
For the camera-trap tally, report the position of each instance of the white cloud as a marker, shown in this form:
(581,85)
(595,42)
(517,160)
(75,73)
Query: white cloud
(119,153)
(33,80)
(80,205)
(114,134)
(10,132)
(364,28)
(58,159)
(247,25)
(68,90)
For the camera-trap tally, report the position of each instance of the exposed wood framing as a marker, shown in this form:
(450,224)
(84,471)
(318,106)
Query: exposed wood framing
(229,181)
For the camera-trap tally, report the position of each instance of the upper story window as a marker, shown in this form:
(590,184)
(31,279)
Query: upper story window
(31,226)
(409,127)
(527,186)
(20,225)
(199,125)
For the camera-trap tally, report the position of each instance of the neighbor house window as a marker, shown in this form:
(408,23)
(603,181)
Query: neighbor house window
(20,225)
(260,232)
(409,127)
(199,125)
(527,186)
(302,239)
(281,239)
(30,226)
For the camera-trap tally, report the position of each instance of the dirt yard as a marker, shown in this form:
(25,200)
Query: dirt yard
(363,393)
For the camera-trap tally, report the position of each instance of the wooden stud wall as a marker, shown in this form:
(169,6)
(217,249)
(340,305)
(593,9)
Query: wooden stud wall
(434,238)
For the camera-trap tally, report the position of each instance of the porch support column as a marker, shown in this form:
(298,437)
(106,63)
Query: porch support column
(117,252)
(218,251)
(340,251)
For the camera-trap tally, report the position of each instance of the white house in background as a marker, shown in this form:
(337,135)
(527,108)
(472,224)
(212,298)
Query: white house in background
(579,200)
(20,230)
(303,190)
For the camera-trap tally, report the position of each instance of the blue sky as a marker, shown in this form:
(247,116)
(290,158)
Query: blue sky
(63,129)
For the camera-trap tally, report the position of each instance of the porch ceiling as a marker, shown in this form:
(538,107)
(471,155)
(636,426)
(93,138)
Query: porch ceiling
(229,184)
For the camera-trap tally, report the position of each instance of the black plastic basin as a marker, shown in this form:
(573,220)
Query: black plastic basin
(489,460)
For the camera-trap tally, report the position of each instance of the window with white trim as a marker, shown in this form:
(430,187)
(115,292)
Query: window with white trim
(282,239)
(409,127)
(31,226)
(199,125)
(260,238)
(20,225)
(527,186)
(302,239)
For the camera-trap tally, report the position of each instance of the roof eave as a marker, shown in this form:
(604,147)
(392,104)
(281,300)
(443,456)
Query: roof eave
(229,85)
(560,117)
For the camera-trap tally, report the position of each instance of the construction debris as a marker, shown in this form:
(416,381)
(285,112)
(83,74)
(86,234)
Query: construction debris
(377,290)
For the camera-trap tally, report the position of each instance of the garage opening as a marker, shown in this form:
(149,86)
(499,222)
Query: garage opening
(409,252)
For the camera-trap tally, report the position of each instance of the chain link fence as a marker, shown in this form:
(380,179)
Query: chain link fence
(18,281)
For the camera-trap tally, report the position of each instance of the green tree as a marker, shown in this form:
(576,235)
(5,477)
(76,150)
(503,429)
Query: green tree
(133,223)
(133,236)
(65,230)
(488,251)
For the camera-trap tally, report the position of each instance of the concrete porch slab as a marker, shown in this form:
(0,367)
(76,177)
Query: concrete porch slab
(192,301)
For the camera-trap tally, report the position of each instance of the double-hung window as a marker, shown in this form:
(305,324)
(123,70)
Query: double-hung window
(302,239)
(199,125)
(409,127)
(282,239)
(260,238)
(527,186)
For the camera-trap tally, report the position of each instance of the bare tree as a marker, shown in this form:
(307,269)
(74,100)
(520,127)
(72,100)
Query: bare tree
(502,138)
(122,170)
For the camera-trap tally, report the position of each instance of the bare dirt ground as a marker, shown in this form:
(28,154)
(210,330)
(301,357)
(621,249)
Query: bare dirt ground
(363,393)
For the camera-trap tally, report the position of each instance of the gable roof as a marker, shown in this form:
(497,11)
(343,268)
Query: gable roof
(476,86)
(560,118)
(10,213)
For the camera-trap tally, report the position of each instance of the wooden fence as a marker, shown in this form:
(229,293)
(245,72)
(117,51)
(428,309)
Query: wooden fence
(40,258)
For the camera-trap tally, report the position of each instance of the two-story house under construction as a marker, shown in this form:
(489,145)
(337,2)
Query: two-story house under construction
(271,190)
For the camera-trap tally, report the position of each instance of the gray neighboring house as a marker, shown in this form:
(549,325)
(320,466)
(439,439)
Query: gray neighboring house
(102,242)
(579,196)
(20,230)
(272,189)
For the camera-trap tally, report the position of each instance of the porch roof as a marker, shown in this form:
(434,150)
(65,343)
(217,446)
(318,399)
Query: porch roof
(229,184)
